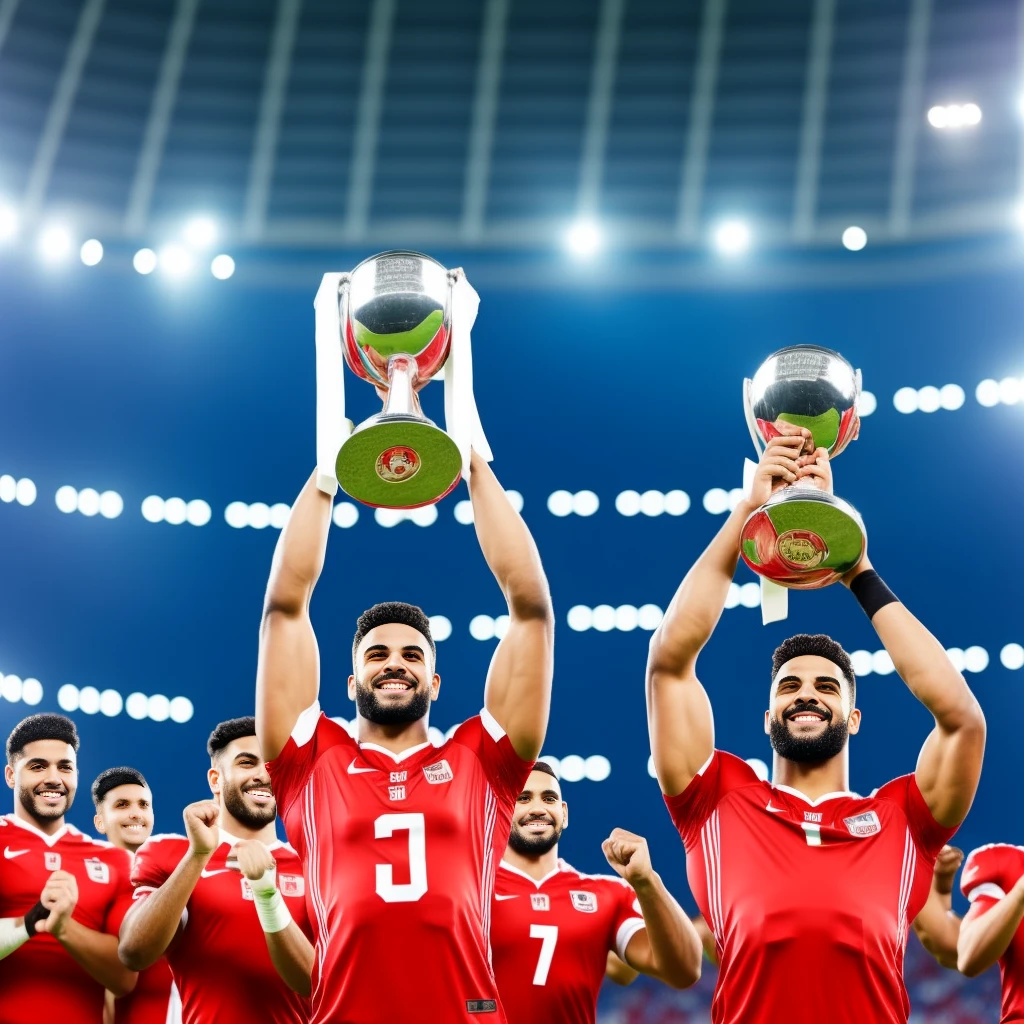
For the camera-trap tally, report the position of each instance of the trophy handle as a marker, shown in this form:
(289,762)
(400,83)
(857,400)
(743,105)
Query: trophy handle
(748,410)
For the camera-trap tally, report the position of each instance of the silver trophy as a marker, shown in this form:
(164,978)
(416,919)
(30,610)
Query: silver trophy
(803,537)
(396,333)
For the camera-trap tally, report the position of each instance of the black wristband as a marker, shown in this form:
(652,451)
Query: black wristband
(871,592)
(33,917)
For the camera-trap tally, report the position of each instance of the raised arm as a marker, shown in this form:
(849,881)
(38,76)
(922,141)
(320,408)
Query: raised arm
(668,947)
(518,690)
(288,673)
(678,710)
(987,930)
(949,766)
(154,920)
(936,925)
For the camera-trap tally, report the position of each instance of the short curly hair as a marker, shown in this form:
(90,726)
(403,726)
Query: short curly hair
(111,778)
(40,727)
(818,644)
(229,731)
(384,614)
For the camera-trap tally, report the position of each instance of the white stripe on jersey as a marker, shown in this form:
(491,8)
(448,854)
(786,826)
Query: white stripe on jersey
(710,841)
(906,887)
(313,872)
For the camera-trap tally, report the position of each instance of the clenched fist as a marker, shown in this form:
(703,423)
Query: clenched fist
(59,897)
(628,855)
(254,861)
(201,827)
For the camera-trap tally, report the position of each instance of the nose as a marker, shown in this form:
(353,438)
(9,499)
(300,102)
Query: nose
(52,777)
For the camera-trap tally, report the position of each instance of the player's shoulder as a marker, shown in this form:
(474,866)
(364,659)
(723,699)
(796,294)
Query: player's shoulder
(163,843)
(600,882)
(732,772)
(998,856)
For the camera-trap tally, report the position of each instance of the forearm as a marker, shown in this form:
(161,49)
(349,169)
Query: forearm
(150,926)
(301,548)
(938,928)
(984,938)
(97,953)
(292,955)
(697,605)
(675,945)
(507,545)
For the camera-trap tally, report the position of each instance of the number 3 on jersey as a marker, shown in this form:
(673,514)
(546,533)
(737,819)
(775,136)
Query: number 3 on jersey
(548,935)
(407,892)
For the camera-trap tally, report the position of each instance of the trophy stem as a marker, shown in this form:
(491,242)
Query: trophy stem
(401,398)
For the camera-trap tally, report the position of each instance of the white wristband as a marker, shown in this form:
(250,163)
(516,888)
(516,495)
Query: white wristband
(270,905)
(12,936)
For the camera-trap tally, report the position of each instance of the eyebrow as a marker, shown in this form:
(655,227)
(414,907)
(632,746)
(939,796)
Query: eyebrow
(246,753)
(545,792)
(817,679)
(384,647)
(32,761)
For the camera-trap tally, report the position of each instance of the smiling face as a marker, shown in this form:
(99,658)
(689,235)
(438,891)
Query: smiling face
(540,816)
(45,778)
(240,780)
(125,816)
(393,681)
(811,714)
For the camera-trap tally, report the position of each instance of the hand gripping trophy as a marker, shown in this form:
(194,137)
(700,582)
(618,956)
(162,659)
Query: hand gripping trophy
(397,319)
(803,537)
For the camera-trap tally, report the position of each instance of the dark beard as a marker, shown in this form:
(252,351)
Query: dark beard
(532,846)
(373,710)
(48,814)
(810,749)
(245,815)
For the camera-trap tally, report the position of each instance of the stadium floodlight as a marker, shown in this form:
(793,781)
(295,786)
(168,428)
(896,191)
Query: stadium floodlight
(201,232)
(855,238)
(175,260)
(222,267)
(955,115)
(54,243)
(584,238)
(144,261)
(8,222)
(732,237)
(91,252)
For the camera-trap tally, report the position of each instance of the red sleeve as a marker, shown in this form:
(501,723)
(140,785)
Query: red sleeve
(990,872)
(628,917)
(155,861)
(494,750)
(120,864)
(691,808)
(927,833)
(313,735)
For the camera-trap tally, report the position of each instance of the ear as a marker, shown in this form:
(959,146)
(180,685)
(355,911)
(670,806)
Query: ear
(213,778)
(9,776)
(565,815)
(351,687)
(98,822)
(767,721)
(853,722)
(435,686)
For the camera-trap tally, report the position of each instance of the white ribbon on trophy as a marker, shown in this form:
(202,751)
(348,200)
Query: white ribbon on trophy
(462,419)
(774,599)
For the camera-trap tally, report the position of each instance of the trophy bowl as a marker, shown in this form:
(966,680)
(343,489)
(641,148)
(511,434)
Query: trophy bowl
(803,537)
(396,334)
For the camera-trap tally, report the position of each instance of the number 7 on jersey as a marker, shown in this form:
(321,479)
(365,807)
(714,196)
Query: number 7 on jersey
(548,935)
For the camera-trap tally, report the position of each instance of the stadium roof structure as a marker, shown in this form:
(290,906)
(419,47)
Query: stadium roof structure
(492,124)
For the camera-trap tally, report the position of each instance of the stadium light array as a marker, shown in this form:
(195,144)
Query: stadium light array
(388,517)
(1007,391)
(22,491)
(258,515)
(604,618)
(732,237)
(565,503)
(176,511)
(971,659)
(201,232)
(1012,657)
(866,403)
(91,701)
(144,261)
(89,502)
(484,627)
(855,238)
(584,238)
(575,768)
(16,690)
(175,260)
(222,267)
(929,398)
(955,115)
(54,244)
(91,252)
(652,503)
(8,222)
(345,514)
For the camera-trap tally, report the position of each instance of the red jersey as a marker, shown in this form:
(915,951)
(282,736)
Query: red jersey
(400,852)
(990,872)
(809,901)
(41,977)
(149,1002)
(219,959)
(551,940)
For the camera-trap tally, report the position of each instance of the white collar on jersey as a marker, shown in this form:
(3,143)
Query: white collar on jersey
(49,840)
(408,752)
(227,837)
(305,726)
(560,866)
(821,799)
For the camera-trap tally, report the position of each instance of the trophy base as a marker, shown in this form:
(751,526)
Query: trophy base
(803,538)
(398,460)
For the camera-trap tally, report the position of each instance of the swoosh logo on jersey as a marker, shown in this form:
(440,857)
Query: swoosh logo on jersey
(353,770)
(218,871)
(10,854)
(775,810)
(506,897)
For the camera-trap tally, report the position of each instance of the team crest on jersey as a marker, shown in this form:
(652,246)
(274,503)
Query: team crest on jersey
(438,773)
(540,901)
(584,902)
(814,816)
(863,825)
(97,870)
(52,861)
(291,885)
(247,889)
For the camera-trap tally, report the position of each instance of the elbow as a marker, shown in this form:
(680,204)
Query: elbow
(133,958)
(969,964)
(684,976)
